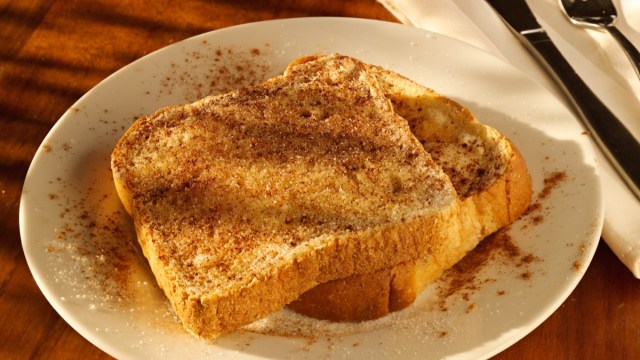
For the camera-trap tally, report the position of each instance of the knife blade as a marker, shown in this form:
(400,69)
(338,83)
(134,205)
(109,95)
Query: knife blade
(618,144)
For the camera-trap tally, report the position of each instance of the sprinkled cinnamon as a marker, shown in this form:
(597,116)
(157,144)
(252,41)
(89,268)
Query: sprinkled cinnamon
(464,279)
(551,182)
(212,70)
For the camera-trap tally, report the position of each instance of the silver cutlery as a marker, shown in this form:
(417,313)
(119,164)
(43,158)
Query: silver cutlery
(601,14)
(614,139)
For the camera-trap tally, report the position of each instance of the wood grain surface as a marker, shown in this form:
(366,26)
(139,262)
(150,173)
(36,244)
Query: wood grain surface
(52,52)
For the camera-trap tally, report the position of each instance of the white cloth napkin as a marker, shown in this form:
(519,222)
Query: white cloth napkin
(594,54)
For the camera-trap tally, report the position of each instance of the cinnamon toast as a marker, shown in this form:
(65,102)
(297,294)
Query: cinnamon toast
(242,202)
(491,180)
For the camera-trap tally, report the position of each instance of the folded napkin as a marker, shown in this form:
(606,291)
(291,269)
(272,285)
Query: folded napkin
(593,53)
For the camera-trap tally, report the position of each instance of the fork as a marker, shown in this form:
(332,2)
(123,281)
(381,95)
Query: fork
(601,14)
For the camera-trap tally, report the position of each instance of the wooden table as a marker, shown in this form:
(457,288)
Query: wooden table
(52,52)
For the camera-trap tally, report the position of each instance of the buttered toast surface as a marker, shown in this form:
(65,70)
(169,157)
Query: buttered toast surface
(244,201)
(490,178)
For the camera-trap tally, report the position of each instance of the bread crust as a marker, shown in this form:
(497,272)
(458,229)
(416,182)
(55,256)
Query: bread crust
(489,202)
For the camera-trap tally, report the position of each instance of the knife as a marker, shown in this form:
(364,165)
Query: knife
(614,139)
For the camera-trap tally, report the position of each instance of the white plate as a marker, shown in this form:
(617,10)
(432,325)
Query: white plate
(79,242)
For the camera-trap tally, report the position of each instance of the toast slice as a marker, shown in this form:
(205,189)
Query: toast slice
(244,201)
(490,177)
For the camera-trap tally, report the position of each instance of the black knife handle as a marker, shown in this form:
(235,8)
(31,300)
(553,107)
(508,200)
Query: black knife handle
(614,139)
